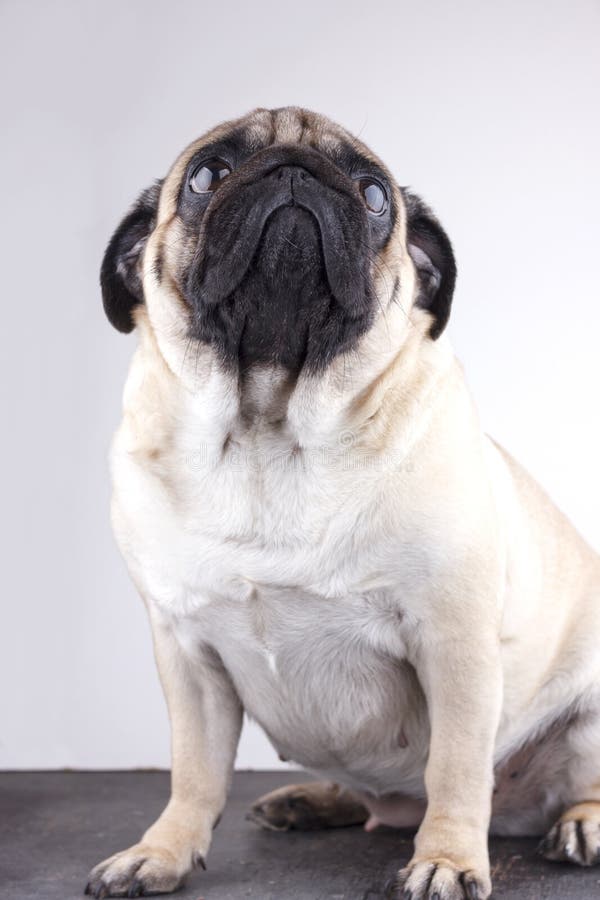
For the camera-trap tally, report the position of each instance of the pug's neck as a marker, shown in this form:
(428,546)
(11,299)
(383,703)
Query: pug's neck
(264,394)
(363,398)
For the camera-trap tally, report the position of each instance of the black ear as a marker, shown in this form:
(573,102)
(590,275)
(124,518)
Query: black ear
(120,273)
(431,251)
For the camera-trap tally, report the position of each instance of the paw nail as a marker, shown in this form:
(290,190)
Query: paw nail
(388,889)
(472,890)
(198,860)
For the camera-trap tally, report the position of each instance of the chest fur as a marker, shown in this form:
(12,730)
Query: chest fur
(286,567)
(197,522)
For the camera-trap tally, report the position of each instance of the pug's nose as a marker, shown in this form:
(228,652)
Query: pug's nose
(294,175)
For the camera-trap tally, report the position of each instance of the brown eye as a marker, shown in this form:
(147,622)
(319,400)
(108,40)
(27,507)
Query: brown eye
(374,195)
(208,176)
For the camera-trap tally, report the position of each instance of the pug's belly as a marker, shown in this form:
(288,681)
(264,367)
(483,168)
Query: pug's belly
(329,683)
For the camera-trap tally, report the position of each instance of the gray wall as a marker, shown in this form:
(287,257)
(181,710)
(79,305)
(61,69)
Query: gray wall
(490,110)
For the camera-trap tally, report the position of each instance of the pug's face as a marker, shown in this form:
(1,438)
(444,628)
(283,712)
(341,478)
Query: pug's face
(277,239)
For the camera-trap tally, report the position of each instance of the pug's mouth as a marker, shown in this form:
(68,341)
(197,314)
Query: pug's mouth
(282,274)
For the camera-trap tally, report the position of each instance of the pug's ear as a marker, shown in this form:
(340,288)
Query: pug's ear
(120,276)
(431,252)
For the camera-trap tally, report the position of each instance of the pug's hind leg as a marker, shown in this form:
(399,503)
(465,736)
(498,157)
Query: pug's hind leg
(575,838)
(308,807)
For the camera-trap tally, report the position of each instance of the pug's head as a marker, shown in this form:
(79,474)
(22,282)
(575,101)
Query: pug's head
(277,239)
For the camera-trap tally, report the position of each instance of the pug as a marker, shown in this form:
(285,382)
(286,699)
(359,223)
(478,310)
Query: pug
(322,534)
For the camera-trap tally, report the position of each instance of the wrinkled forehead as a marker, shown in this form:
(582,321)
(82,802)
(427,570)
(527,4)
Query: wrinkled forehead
(263,127)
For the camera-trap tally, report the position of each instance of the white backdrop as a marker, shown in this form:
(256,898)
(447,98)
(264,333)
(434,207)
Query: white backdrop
(490,110)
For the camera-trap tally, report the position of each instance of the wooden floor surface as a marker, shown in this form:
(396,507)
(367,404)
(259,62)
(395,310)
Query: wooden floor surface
(55,826)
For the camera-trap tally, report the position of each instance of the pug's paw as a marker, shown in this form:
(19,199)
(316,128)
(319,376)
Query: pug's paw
(142,869)
(575,838)
(440,879)
(307,807)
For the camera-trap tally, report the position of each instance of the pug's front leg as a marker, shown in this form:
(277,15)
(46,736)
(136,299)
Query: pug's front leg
(462,679)
(206,716)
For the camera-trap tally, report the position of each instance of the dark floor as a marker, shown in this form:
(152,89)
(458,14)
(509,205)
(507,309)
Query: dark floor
(55,826)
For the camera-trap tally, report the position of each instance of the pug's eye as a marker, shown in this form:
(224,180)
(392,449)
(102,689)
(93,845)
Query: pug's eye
(374,195)
(207,177)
